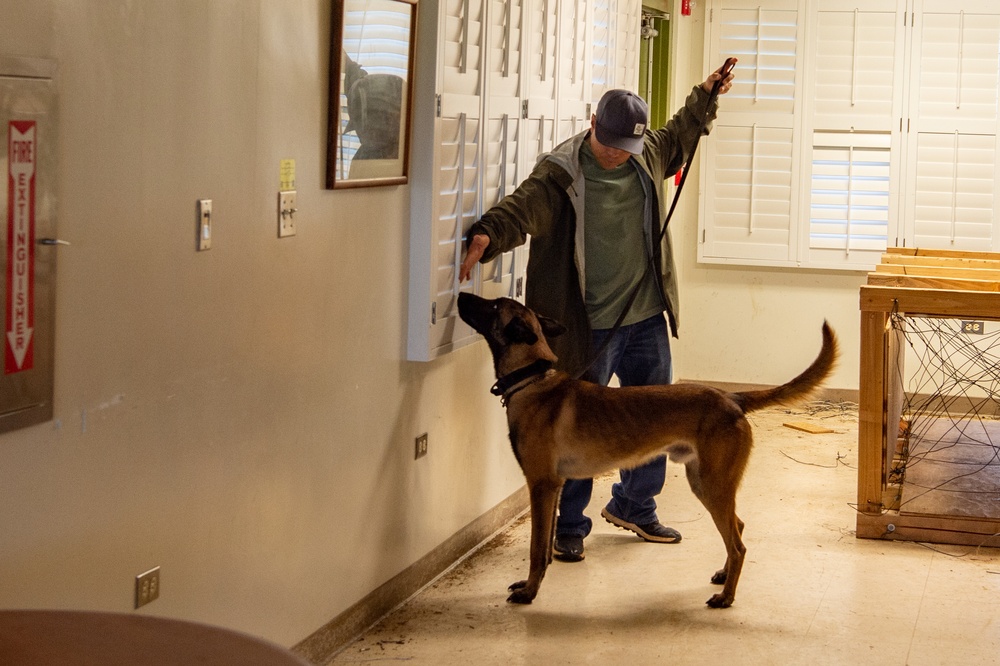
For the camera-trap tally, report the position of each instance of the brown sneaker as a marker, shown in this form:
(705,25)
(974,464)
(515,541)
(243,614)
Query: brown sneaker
(654,532)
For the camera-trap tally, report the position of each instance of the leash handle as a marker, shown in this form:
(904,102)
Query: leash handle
(725,71)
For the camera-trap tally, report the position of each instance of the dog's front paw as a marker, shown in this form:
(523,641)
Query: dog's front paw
(719,577)
(520,594)
(719,601)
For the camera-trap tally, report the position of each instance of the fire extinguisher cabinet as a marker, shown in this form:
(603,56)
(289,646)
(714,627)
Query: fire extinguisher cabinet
(28,204)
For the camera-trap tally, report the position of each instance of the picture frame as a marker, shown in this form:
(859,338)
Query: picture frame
(372,46)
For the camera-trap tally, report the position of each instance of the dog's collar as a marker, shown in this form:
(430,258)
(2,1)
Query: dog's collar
(508,385)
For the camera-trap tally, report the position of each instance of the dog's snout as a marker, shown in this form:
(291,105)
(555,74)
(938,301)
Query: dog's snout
(472,309)
(468,302)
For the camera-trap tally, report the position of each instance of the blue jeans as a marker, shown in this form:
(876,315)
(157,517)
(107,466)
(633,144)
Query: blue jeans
(640,355)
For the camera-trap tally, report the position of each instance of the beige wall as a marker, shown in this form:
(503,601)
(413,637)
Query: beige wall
(243,417)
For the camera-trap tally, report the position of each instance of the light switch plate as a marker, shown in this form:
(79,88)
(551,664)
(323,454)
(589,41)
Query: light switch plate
(204,224)
(286,213)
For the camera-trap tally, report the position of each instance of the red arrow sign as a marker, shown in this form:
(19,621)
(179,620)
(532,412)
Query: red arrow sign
(22,157)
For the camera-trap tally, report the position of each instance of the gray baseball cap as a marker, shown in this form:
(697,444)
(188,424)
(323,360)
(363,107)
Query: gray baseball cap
(621,120)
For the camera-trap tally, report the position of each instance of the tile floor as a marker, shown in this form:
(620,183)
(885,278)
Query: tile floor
(810,593)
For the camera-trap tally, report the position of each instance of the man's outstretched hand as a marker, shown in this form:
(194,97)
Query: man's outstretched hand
(475,252)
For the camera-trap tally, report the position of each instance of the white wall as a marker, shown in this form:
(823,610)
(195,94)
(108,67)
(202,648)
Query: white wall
(241,417)
(748,325)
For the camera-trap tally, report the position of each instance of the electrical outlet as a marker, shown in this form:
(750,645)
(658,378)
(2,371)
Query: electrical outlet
(973,327)
(421,446)
(147,587)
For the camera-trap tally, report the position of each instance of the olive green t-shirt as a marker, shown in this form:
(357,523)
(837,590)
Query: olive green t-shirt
(615,244)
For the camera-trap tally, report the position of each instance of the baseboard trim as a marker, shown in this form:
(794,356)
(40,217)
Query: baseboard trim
(331,638)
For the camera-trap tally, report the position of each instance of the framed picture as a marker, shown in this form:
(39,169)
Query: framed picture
(371,80)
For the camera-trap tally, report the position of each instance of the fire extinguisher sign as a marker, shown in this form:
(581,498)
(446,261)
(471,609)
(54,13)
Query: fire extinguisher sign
(20,313)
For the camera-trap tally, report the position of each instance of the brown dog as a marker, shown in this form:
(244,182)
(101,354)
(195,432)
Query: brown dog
(562,428)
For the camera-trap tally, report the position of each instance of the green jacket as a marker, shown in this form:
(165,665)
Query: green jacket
(548,205)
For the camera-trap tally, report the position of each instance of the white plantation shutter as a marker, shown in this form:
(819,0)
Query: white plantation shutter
(953,201)
(617,24)
(557,104)
(540,58)
(952,138)
(500,171)
(628,35)
(504,41)
(750,206)
(956,66)
(852,133)
(574,119)
(750,159)
(456,210)
(500,174)
(573,85)
(765,40)
(539,110)
(602,74)
(891,108)
(856,66)
(539,127)
(461,46)
(849,198)
(457,173)
(439,222)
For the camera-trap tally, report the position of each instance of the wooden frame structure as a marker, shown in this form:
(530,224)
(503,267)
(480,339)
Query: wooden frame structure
(924,283)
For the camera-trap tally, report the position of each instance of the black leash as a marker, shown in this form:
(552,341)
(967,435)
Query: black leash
(712,96)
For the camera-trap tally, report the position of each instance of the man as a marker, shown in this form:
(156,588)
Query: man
(594,208)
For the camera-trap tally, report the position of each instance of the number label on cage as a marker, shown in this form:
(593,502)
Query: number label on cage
(973,327)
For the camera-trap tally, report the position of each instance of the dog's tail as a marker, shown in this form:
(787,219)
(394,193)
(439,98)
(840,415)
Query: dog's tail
(799,388)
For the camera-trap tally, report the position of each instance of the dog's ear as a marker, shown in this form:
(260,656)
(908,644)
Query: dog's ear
(517,330)
(550,327)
